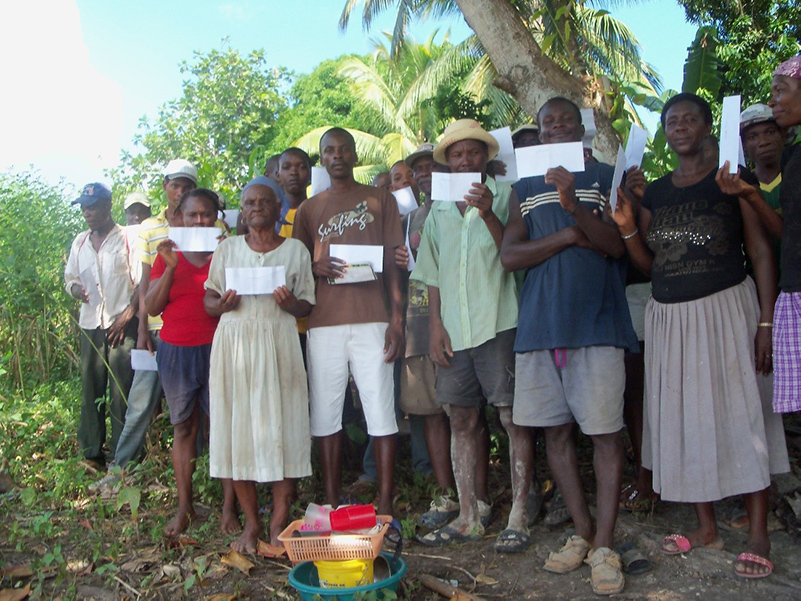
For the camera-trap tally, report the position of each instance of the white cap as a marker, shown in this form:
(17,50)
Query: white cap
(134,198)
(180,168)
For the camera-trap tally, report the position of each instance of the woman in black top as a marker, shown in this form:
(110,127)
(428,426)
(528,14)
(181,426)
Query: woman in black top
(709,432)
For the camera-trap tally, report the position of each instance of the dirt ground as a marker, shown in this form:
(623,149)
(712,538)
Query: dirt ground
(141,566)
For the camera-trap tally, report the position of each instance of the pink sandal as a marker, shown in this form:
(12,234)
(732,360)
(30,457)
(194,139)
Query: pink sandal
(753,558)
(683,544)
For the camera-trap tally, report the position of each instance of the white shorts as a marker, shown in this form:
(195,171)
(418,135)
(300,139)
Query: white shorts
(330,350)
(637,296)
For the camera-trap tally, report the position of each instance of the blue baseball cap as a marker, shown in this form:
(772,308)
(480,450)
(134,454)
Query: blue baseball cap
(92,193)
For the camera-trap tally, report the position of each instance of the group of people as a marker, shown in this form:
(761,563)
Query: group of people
(533,297)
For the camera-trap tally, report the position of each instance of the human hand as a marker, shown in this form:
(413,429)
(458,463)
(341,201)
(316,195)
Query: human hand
(624,215)
(228,301)
(329,267)
(480,197)
(166,250)
(763,351)
(284,298)
(77,291)
(730,183)
(143,342)
(565,183)
(580,239)
(440,346)
(393,342)
(635,183)
(116,333)
(402,257)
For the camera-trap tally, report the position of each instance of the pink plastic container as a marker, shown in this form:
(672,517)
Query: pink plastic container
(317,518)
(353,517)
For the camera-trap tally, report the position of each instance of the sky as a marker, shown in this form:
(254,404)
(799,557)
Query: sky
(79,74)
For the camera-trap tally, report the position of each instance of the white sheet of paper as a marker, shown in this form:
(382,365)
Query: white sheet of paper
(195,239)
(730,133)
(354,254)
(635,146)
(506,154)
(536,160)
(406,200)
(255,280)
(590,129)
(617,177)
(142,360)
(408,246)
(231,217)
(452,187)
(320,180)
(90,285)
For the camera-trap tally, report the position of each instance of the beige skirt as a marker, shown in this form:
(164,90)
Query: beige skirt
(709,431)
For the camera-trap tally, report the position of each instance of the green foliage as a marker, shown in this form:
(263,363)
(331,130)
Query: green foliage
(224,122)
(38,333)
(701,69)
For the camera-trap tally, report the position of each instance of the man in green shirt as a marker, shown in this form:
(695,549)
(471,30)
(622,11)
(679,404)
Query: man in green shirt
(473,316)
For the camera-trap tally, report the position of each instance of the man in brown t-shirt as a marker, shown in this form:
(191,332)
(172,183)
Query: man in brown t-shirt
(350,324)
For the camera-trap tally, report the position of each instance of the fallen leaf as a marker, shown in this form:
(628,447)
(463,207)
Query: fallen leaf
(86,524)
(269,551)
(21,571)
(484,579)
(460,596)
(181,542)
(238,561)
(80,567)
(15,594)
(221,597)
(171,570)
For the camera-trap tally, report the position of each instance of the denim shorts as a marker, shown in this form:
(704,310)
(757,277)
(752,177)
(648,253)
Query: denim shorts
(184,372)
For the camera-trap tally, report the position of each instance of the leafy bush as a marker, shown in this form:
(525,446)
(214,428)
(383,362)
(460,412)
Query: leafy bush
(38,332)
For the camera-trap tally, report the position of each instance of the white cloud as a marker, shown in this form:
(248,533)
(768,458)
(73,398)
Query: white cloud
(233,11)
(56,111)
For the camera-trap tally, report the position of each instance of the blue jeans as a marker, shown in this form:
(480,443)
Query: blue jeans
(143,399)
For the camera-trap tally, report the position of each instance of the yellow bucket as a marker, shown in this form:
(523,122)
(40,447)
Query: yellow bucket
(345,574)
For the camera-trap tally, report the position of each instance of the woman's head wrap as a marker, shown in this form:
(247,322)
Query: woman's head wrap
(790,68)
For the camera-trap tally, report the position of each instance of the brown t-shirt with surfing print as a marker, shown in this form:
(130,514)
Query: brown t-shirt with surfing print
(363,215)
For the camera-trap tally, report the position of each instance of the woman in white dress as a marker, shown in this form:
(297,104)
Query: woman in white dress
(259,395)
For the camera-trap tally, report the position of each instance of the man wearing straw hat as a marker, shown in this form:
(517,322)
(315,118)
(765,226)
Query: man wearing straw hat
(473,315)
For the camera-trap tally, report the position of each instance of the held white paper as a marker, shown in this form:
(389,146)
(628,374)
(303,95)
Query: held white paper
(231,217)
(408,246)
(536,160)
(320,180)
(255,280)
(730,133)
(354,254)
(406,200)
(635,147)
(90,285)
(590,129)
(195,239)
(452,187)
(506,154)
(617,177)
(142,360)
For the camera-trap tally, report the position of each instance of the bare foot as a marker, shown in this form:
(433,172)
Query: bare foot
(249,540)
(748,568)
(179,523)
(463,526)
(229,521)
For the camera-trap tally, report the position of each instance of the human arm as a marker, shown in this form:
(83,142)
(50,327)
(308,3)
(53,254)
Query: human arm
(393,338)
(480,197)
(732,183)
(116,332)
(601,234)
(402,257)
(629,222)
(290,303)
(158,293)
(439,341)
(217,304)
(757,245)
(518,252)
(72,276)
(143,338)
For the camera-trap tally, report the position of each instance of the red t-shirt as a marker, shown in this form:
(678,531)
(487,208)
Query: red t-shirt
(186,322)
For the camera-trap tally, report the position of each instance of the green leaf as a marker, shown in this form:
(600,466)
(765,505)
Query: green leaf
(132,496)
(702,68)
(28,496)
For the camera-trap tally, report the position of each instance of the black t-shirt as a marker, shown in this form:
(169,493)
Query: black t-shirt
(790,200)
(696,234)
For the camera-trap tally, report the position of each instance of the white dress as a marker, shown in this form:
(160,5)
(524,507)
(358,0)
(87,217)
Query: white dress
(259,397)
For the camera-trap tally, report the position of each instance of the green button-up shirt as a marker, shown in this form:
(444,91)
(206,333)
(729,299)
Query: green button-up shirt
(458,255)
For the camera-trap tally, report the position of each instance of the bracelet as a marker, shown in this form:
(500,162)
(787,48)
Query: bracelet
(765,324)
(575,208)
(632,234)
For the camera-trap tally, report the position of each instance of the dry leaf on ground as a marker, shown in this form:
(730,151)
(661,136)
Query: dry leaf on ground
(269,551)
(484,579)
(15,594)
(221,597)
(238,561)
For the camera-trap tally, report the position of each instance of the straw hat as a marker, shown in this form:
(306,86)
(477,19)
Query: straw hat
(465,129)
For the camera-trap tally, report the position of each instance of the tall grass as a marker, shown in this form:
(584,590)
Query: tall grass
(38,332)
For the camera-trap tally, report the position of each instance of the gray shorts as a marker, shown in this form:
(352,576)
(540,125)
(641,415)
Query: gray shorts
(484,372)
(587,388)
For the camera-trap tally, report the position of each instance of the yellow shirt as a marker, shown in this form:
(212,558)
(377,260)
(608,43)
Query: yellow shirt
(286,232)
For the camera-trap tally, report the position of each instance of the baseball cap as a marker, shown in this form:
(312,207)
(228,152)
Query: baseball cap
(134,198)
(92,193)
(425,149)
(180,168)
(756,113)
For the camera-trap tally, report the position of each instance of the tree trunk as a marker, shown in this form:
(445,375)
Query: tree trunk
(526,73)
